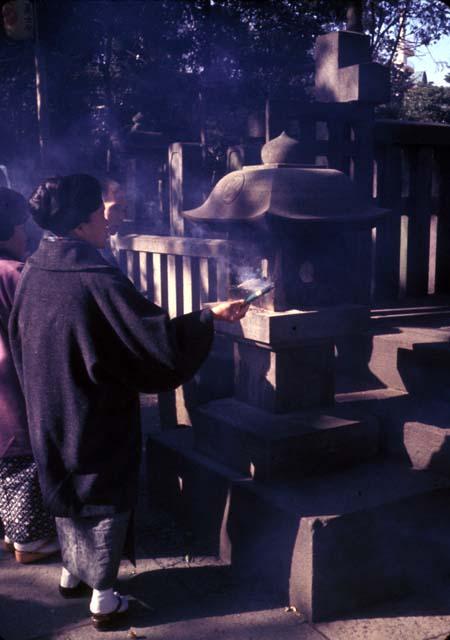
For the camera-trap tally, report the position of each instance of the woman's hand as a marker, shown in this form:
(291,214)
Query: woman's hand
(230,311)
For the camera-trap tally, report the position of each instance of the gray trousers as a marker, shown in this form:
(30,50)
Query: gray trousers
(91,547)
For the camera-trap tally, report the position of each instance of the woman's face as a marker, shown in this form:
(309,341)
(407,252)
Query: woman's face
(95,231)
(115,207)
(115,213)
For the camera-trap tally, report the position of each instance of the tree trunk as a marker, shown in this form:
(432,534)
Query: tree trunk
(41,89)
(108,94)
(355,16)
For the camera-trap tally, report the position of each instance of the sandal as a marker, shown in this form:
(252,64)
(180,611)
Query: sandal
(112,620)
(44,551)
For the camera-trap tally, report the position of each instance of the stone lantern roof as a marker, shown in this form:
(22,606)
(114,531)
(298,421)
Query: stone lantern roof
(282,150)
(281,187)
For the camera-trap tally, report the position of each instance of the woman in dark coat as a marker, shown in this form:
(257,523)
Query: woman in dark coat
(29,530)
(85,343)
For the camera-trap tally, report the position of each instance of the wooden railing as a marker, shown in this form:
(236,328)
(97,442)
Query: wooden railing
(179,274)
(408,172)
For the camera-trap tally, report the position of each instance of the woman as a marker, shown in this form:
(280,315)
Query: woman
(29,531)
(85,342)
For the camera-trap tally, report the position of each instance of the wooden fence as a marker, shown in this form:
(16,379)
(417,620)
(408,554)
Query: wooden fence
(412,178)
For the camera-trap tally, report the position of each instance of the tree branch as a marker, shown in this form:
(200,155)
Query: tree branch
(400,29)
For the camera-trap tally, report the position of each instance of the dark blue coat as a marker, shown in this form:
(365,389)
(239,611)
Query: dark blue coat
(84,343)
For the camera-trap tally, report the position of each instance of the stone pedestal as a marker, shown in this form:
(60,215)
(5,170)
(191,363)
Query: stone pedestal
(284,360)
(280,421)
(277,361)
(285,379)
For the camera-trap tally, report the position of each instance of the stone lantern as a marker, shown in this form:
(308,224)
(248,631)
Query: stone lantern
(256,474)
(296,226)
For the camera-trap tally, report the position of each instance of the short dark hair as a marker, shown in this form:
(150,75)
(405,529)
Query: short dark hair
(13,212)
(61,203)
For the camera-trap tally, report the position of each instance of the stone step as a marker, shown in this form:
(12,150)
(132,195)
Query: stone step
(405,358)
(328,545)
(415,427)
(400,360)
(264,445)
(432,311)
(428,445)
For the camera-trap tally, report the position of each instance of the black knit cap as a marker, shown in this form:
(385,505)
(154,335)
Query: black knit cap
(13,211)
(60,204)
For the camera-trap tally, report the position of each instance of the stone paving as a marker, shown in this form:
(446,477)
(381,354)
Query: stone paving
(174,596)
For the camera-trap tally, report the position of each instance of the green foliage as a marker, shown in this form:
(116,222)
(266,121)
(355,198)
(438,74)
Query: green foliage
(393,24)
(427,103)
(108,59)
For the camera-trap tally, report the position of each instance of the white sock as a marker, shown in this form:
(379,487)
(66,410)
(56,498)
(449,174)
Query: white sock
(67,580)
(44,545)
(106,601)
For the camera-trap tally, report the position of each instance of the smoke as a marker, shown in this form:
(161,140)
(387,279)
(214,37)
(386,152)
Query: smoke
(253,284)
(251,274)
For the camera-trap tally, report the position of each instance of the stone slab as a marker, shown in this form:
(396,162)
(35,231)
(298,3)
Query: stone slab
(175,610)
(267,446)
(330,545)
(167,600)
(286,328)
(418,617)
(194,620)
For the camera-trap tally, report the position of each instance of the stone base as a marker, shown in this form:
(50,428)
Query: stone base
(266,446)
(331,546)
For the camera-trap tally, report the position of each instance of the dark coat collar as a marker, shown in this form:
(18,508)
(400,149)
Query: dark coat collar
(67,254)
